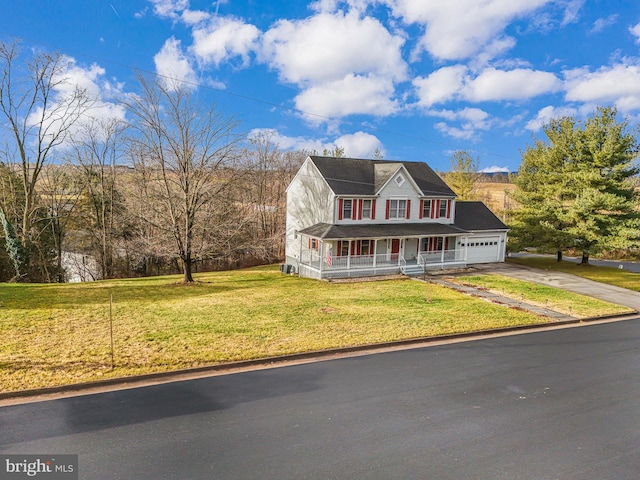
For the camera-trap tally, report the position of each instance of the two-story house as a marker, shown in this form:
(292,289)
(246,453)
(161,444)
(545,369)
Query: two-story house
(352,218)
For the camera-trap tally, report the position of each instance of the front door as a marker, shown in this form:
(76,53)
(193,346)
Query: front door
(395,248)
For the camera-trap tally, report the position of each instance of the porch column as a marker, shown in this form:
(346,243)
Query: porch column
(320,255)
(442,253)
(349,255)
(375,252)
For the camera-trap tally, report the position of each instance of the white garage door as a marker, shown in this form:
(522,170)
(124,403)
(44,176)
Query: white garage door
(483,249)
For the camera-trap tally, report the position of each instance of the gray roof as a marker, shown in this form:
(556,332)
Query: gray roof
(351,176)
(336,232)
(474,216)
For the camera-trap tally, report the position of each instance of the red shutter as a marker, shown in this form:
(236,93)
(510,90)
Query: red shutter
(340,205)
(388,208)
(433,209)
(309,243)
(420,209)
(448,208)
(339,249)
(373,209)
(446,243)
(408,209)
(360,209)
(437,209)
(359,247)
(353,247)
(354,209)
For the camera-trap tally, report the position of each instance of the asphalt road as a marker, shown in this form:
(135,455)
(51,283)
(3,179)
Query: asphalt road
(559,404)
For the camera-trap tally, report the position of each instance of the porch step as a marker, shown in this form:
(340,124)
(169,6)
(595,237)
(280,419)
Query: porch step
(413,270)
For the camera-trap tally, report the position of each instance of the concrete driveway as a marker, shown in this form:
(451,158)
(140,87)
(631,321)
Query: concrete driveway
(566,281)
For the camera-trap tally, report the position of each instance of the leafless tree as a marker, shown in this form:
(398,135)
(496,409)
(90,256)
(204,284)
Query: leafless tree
(96,153)
(188,154)
(38,106)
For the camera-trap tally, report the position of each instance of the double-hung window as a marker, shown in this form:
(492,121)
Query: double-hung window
(347,208)
(366,209)
(443,208)
(397,209)
(426,209)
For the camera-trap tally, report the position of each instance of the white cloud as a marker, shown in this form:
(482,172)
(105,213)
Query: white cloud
(495,169)
(546,114)
(458,29)
(455,83)
(359,144)
(518,84)
(173,67)
(601,23)
(440,86)
(348,96)
(572,11)
(471,120)
(222,39)
(618,84)
(104,97)
(635,30)
(326,47)
(169,8)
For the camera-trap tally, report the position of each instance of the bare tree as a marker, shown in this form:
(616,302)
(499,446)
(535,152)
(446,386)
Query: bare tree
(187,153)
(96,154)
(38,109)
(271,171)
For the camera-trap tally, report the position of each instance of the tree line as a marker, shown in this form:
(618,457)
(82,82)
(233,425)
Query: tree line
(174,188)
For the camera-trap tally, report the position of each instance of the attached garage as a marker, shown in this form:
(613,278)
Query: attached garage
(484,249)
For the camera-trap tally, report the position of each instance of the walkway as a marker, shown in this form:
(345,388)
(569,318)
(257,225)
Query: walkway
(565,281)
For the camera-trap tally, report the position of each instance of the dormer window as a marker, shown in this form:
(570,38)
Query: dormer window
(400,180)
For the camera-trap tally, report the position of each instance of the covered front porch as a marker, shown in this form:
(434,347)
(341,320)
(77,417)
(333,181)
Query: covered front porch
(411,253)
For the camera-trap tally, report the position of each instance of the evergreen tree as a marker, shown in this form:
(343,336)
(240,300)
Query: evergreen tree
(576,190)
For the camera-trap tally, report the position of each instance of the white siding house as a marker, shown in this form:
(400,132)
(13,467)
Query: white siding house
(350,218)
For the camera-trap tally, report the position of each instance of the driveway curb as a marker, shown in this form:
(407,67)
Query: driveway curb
(280,361)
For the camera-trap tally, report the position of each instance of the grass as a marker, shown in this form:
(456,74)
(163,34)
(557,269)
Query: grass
(60,334)
(608,275)
(576,305)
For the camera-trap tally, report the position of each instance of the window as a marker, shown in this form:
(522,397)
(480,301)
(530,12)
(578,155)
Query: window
(365,247)
(397,209)
(313,244)
(426,209)
(443,208)
(399,180)
(366,209)
(344,249)
(347,206)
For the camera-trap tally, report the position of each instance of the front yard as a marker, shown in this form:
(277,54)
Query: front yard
(60,334)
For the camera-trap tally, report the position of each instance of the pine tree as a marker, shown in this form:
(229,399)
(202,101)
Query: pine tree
(576,190)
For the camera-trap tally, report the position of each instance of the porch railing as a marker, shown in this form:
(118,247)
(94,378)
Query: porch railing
(313,259)
(441,257)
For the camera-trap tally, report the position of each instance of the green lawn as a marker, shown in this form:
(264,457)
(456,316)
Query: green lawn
(573,304)
(59,334)
(611,276)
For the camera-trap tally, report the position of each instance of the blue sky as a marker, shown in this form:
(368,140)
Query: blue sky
(415,79)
